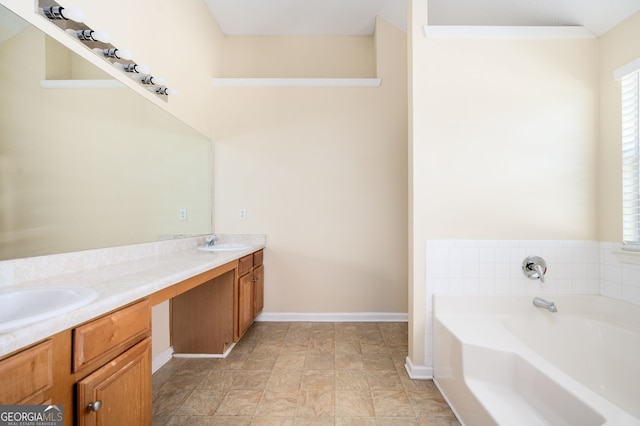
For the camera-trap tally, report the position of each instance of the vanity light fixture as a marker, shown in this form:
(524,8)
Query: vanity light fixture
(66,13)
(162,90)
(115,53)
(149,79)
(135,68)
(90,35)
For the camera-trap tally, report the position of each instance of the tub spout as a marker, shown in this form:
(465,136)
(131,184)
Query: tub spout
(541,303)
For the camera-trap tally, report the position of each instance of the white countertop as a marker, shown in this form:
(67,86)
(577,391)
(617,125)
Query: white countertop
(117,285)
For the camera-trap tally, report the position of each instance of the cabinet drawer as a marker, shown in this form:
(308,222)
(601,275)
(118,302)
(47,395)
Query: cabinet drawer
(245,264)
(27,374)
(110,334)
(257,258)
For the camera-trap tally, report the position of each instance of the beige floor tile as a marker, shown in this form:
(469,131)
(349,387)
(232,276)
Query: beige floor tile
(219,379)
(240,403)
(348,346)
(318,379)
(188,421)
(313,421)
(315,361)
(251,379)
(384,380)
(349,361)
(377,362)
(186,379)
(260,361)
(346,374)
(354,403)
(397,421)
(201,402)
(278,403)
(167,400)
(316,403)
(351,380)
(355,421)
(229,421)
(271,421)
(290,361)
(429,404)
(392,404)
(285,379)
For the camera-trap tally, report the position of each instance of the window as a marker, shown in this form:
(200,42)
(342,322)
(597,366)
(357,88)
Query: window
(630,79)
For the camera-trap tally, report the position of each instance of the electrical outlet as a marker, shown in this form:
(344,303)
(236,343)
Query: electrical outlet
(182,214)
(242,214)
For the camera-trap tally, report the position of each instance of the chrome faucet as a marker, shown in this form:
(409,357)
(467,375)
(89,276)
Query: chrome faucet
(210,241)
(541,303)
(534,267)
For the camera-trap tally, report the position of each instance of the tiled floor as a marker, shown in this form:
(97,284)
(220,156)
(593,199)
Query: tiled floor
(301,374)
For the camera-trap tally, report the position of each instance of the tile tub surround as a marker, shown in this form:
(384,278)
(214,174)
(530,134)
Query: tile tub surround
(286,373)
(494,267)
(120,275)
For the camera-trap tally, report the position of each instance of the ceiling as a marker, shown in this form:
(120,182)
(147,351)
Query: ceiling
(357,17)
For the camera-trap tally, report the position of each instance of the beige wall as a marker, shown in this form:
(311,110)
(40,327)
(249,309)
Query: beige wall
(504,143)
(617,48)
(321,171)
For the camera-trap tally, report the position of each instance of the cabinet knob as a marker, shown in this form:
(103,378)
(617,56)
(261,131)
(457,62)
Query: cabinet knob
(94,406)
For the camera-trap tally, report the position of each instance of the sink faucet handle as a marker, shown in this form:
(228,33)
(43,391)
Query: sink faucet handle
(211,240)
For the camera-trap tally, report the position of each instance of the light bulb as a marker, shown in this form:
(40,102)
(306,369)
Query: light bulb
(136,68)
(166,91)
(116,53)
(149,79)
(59,12)
(71,13)
(90,35)
(100,35)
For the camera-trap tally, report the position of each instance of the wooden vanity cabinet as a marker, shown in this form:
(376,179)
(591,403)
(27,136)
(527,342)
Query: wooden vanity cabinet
(250,291)
(27,375)
(112,363)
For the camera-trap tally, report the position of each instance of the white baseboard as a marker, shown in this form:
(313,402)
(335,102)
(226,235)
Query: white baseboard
(420,372)
(224,355)
(161,359)
(333,317)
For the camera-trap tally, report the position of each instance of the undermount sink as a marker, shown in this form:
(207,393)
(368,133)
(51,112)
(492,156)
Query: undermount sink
(26,306)
(225,247)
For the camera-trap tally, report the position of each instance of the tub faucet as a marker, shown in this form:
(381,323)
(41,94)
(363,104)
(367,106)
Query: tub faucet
(541,303)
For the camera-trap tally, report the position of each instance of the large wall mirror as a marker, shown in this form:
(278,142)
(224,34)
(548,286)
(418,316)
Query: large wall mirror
(84,166)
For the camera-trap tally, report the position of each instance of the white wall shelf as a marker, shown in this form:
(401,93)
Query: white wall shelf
(297,82)
(81,84)
(506,32)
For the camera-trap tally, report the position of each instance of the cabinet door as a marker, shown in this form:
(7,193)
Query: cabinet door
(245,303)
(119,393)
(26,375)
(258,290)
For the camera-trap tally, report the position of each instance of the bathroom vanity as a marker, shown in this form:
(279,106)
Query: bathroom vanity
(99,367)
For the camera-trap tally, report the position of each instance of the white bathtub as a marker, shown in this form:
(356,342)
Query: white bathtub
(500,360)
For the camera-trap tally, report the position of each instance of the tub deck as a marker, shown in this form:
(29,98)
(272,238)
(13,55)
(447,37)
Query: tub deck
(490,375)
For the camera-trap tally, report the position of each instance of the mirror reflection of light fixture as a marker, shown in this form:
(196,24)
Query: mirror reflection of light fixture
(120,58)
(161,90)
(149,79)
(135,68)
(90,35)
(66,13)
(115,53)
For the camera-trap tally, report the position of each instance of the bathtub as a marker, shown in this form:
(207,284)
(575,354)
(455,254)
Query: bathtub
(500,360)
